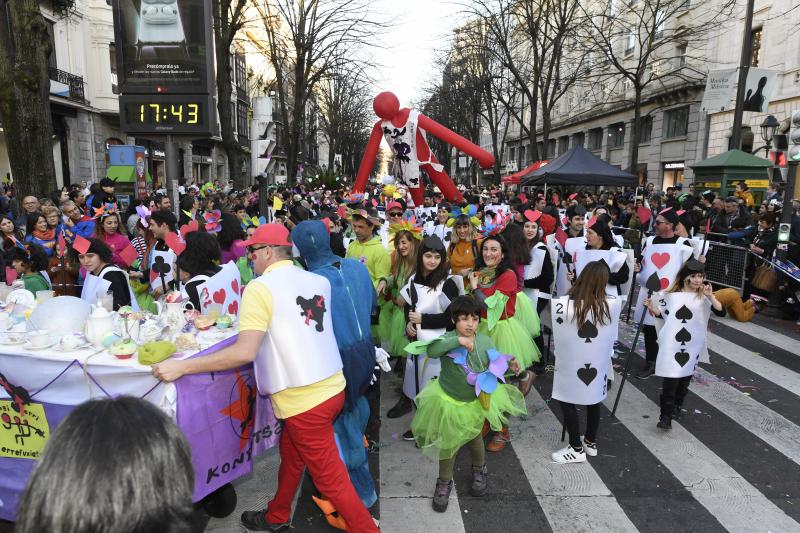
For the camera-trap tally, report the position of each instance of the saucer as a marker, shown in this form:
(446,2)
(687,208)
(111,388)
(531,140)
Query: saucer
(28,346)
(8,342)
(75,349)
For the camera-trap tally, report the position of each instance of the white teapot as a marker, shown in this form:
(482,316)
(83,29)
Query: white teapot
(99,324)
(174,313)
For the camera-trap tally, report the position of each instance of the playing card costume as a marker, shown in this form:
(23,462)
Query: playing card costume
(350,306)
(432,303)
(452,409)
(582,362)
(681,333)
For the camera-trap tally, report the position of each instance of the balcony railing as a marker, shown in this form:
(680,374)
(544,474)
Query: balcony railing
(73,82)
(241,95)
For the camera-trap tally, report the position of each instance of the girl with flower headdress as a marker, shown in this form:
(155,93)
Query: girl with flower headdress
(391,321)
(452,410)
(494,283)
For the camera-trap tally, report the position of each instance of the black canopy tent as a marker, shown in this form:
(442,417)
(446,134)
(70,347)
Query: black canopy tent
(578,166)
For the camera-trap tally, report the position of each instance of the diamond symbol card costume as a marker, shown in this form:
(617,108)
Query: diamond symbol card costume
(681,333)
(582,361)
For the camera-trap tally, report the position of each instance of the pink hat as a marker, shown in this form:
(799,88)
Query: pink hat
(269,234)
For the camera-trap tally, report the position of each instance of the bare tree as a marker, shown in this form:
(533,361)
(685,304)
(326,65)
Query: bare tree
(25,95)
(228,20)
(345,110)
(307,39)
(647,46)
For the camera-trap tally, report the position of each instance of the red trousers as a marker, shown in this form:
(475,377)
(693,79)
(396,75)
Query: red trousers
(307,441)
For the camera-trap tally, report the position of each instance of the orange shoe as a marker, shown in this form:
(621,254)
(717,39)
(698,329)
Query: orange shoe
(330,513)
(499,440)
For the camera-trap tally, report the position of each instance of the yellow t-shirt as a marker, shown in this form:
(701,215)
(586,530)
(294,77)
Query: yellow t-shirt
(256,315)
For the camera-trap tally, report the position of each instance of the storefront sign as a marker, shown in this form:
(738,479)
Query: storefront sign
(674,166)
(709,184)
(757,184)
(140,185)
(719,90)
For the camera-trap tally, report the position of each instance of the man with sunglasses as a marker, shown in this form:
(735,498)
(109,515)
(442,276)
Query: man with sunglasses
(394,215)
(304,379)
(663,254)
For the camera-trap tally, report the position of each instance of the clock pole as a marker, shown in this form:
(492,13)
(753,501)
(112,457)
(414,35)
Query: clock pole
(173,158)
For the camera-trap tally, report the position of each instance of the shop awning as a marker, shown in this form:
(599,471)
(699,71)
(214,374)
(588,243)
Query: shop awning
(124,174)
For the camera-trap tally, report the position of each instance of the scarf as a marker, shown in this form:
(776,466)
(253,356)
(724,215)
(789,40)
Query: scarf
(47,235)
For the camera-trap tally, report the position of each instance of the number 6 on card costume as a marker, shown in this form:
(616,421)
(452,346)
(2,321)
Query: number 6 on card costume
(404,130)
(582,362)
(681,333)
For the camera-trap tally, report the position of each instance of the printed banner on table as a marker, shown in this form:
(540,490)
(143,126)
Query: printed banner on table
(227,424)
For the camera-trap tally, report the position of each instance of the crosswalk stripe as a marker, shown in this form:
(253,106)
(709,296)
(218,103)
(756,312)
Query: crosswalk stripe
(407,477)
(737,504)
(756,418)
(761,333)
(753,362)
(570,494)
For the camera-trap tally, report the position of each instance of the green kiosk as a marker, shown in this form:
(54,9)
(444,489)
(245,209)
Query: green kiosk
(721,173)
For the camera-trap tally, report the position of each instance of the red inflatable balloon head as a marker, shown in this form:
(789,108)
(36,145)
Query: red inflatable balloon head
(386,105)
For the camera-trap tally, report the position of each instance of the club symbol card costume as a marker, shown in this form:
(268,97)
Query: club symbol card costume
(665,260)
(162,268)
(582,361)
(681,333)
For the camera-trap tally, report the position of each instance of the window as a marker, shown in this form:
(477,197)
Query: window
(563,144)
(645,129)
(241,120)
(551,147)
(630,42)
(578,139)
(51,60)
(612,8)
(522,150)
(677,122)
(512,152)
(595,139)
(112,58)
(681,53)
(661,19)
(755,38)
(616,135)
(239,64)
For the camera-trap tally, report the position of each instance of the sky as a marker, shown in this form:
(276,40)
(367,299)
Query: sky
(405,63)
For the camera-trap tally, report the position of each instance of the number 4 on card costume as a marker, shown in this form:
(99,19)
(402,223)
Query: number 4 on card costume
(404,130)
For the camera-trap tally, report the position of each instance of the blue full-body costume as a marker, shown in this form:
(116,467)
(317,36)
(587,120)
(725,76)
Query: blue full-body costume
(352,301)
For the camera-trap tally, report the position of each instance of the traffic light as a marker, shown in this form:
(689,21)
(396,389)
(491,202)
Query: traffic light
(263,137)
(794,137)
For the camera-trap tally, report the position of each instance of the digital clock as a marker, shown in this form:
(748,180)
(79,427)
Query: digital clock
(180,114)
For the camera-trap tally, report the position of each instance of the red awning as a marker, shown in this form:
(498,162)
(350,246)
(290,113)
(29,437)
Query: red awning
(513,179)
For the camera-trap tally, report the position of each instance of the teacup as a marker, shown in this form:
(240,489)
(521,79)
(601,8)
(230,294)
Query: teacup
(39,338)
(70,342)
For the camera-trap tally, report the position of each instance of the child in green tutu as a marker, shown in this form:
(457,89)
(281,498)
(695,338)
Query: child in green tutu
(451,410)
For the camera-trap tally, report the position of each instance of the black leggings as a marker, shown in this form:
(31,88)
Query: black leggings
(573,426)
(650,343)
(538,368)
(673,391)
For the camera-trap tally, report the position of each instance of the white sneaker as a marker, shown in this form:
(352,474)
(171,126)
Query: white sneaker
(569,455)
(589,448)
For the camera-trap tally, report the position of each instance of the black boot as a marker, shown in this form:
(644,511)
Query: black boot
(665,422)
(441,496)
(678,411)
(479,480)
(647,370)
(403,406)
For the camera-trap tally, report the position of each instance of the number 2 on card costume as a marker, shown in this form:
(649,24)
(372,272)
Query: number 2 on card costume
(404,130)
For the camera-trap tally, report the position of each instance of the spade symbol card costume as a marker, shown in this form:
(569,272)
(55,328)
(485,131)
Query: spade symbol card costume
(681,332)
(582,361)
(665,260)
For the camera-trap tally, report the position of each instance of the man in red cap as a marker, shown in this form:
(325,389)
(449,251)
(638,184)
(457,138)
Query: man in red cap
(304,379)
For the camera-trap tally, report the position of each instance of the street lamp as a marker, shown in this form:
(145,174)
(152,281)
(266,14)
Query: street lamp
(768,129)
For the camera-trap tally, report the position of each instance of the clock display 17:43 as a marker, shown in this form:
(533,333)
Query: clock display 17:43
(169,113)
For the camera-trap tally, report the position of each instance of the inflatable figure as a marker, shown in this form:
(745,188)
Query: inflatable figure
(404,130)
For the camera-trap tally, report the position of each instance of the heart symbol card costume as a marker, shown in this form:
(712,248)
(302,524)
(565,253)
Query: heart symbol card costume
(582,353)
(666,261)
(223,288)
(681,332)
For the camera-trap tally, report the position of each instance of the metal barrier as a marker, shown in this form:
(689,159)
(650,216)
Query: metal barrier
(726,265)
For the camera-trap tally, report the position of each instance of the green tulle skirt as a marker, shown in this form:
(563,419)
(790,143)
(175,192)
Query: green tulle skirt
(526,314)
(442,425)
(392,328)
(509,337)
